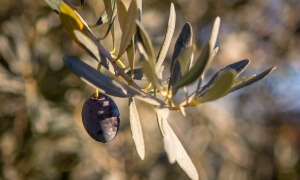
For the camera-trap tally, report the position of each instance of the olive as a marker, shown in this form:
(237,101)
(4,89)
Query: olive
(101,118)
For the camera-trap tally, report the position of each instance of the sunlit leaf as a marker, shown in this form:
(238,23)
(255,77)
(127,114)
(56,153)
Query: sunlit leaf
(248,80)
(89,45)
(214,33)
(173,146)
(109,8)
(196,71)
(54,4)
(129,28)
(105,84)
(136,129)
(162,119)
(166,43)
(219,85)
(131,54)
(122,14)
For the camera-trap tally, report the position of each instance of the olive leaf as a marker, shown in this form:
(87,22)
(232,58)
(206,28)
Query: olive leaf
(109,8)
(162,115)
(239,66)
(122,14)
(101,20)
(54,4)
(145,48)
(214,33)
(88,44)
(213,50)
(184,59)
(195,72)
(131,54)
(93,50)
(136,129)
(219,85)
(166,43)
(105,84)
(129,28)
(139,5)
(212,55)
(184,40)
(248,80)
(173,146)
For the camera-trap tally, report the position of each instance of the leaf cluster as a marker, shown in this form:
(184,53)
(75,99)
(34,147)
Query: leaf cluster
(185,69)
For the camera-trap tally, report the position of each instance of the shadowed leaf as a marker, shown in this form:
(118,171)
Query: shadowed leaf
(184,40)
(105,84)
(137,73)
(166,43)
(136,129)
(239,66)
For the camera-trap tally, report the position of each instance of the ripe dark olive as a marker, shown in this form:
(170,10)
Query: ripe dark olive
(101,118)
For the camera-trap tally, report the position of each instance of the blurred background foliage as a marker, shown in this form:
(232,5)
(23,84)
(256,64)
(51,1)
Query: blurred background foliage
(253,133)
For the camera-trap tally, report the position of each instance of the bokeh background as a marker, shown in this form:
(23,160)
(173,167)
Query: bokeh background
(253,133)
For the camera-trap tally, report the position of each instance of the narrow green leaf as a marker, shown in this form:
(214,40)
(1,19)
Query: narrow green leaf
(184,59)
(219,85)
(105,84)
(144,38)
(166,43)
(136,129)
(146,50)
(211,57)
(129,28)
(214,33)
(196,71)
(248,80)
